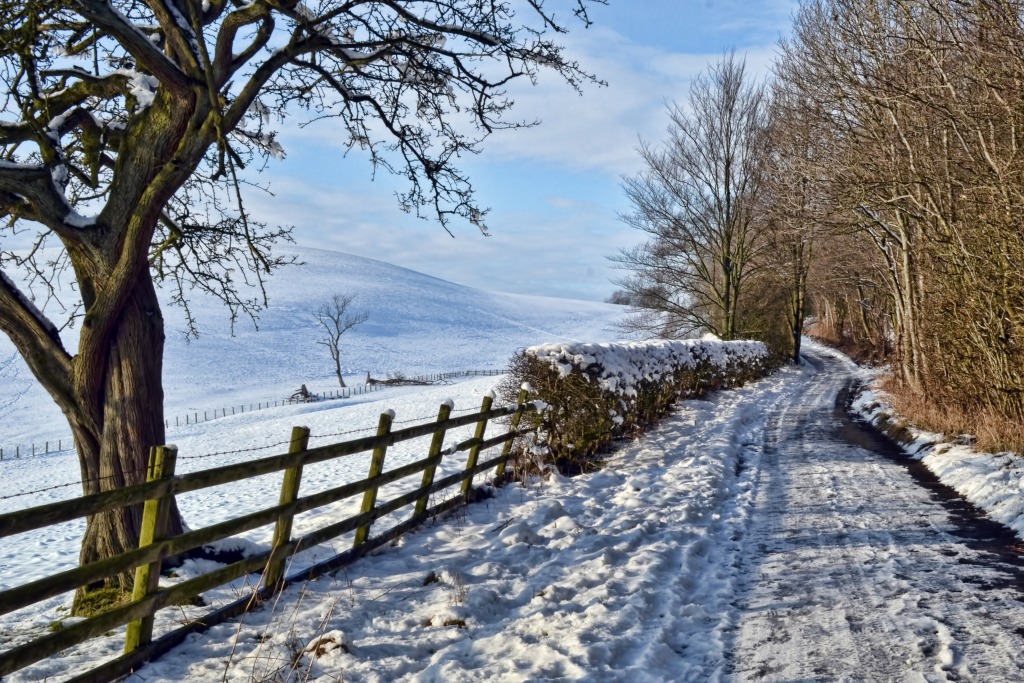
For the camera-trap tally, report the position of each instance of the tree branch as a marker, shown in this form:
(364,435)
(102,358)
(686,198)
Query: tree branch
(29,190)
(36,339)
(135,42)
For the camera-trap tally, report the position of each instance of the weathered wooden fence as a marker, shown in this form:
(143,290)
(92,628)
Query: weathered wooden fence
(162,485)
(197,416)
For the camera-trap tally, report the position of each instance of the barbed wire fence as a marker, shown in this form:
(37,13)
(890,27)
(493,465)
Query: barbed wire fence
(364,431)
(47,447)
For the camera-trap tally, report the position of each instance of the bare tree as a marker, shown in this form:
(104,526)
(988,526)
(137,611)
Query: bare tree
(619,297)
(129,129)
(337,318)
(697,202)
(797,209)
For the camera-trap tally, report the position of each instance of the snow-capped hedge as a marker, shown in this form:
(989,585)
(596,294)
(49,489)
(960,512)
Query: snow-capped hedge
(599,391)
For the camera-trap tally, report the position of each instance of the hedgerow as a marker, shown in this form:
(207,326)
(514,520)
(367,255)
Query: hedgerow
(598,392)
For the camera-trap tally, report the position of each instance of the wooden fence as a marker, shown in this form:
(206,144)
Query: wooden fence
(197,416)
(162,485)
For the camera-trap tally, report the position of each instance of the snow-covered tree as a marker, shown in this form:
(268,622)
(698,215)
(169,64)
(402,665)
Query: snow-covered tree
(126,131)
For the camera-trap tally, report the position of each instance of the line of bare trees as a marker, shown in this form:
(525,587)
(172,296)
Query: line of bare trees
(874,182)
(919,109)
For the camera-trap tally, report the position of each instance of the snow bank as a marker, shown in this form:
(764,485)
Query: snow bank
(993,482)
(601,390)
(621,367)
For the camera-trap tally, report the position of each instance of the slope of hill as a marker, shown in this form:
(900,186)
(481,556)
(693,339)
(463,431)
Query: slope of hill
(418,324)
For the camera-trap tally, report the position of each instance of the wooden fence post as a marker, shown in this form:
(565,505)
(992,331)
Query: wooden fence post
(507,448)
(435,450)
(376,467)
(154,525)
(474,452)
(289,492)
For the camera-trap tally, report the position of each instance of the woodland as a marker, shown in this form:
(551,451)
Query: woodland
(869,192)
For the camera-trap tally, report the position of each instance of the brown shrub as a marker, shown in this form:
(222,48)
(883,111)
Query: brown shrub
(994,432)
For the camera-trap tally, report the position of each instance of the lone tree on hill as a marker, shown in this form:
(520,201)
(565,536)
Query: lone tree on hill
(126,133)
(337,318)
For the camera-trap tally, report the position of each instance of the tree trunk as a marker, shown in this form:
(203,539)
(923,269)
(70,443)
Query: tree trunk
(797,321)
(336,355)
(130,410)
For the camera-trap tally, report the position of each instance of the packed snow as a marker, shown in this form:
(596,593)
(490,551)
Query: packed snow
(992,482)
(857,565)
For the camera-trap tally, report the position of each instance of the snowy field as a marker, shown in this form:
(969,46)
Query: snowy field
(741,539)
(418,324)
(606,575)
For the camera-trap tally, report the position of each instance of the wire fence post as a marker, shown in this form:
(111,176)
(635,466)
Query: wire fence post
(153,529)
(376,467)
(474,452)
(289,492)
(436,444)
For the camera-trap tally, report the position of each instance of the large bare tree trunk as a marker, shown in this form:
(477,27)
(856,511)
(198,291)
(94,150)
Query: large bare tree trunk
(130,410)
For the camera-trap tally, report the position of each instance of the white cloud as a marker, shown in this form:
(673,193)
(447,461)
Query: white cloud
(536,249)
(554,187)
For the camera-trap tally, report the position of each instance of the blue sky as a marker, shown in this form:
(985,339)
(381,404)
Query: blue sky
(554,190)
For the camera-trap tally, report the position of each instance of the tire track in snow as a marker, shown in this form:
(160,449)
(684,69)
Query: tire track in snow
(853,571)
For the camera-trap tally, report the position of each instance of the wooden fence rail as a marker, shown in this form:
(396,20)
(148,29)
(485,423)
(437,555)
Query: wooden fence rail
(162,484)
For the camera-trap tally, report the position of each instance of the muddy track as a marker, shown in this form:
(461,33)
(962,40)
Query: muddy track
(859,564)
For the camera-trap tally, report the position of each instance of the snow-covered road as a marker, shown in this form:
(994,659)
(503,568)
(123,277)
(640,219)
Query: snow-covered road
(854,568)
(756,535)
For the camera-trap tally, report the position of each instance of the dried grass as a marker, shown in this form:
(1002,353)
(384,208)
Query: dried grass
(994,432)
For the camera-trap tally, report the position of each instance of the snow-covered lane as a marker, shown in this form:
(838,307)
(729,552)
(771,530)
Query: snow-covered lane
(854,571)
(747,537)
(621,574)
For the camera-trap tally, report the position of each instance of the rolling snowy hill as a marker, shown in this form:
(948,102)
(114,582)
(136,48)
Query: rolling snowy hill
(418,324)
